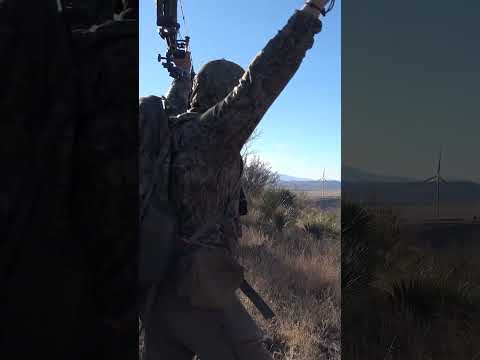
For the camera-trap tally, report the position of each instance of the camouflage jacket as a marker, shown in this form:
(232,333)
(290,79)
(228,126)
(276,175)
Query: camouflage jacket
(206,164)
(177,98)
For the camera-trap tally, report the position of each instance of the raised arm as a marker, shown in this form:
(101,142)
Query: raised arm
(233,120)
(178,94)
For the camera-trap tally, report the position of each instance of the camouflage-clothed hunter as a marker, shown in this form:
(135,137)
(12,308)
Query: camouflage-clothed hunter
(207,165)
(226,105)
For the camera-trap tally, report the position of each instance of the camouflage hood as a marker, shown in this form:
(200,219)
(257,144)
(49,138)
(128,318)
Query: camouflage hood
(213,83)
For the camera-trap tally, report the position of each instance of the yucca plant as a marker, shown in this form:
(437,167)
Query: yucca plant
(280,218)
(314,228)
(278,208)
(355,251)
(356,220)
(355,266)
(413,296)
(429,298)
(319,224)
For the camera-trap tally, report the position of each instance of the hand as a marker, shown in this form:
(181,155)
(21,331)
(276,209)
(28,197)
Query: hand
(315,6)
(319,3)
(185,63)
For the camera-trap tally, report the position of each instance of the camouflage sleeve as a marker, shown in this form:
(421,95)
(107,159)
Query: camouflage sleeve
(178,95)
(233,119)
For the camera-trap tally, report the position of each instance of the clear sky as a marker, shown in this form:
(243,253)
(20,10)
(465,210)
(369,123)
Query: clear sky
(411,88)
(300,134)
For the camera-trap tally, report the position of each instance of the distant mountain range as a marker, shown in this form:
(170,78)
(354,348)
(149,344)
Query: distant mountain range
(351,174)
(284,177)
(359,185)
(411,192)
(304,184)
(364,186)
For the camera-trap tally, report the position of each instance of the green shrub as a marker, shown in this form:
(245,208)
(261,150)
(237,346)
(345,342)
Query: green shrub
(278,208)
(320,223)
(430,298)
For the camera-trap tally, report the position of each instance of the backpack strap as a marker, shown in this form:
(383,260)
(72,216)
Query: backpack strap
(154,150)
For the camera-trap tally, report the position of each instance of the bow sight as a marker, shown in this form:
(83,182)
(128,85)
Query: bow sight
(168,30)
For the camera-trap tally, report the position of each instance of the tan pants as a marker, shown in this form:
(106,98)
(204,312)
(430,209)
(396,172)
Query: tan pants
(176,331)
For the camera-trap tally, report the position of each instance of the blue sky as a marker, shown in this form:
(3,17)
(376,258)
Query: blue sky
(300,134)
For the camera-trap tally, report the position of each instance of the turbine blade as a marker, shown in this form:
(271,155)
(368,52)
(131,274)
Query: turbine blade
(443,180)
(439,160)
(430,179)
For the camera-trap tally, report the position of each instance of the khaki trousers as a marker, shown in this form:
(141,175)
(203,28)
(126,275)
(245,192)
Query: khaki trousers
(177,331)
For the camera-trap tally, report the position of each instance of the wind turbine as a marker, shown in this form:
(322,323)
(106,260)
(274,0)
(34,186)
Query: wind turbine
(437,179)
(323,184)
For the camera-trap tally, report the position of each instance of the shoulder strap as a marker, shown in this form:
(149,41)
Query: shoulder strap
(154,149)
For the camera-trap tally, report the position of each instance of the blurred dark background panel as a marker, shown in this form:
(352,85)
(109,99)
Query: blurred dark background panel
(410,180)
(69,188)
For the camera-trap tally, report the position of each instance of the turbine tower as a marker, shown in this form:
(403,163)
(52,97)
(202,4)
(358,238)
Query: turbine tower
(437,179)
(323,184)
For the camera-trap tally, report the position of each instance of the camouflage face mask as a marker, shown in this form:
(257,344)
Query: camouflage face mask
(213,83)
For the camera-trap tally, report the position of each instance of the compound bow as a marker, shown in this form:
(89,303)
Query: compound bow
(168,30)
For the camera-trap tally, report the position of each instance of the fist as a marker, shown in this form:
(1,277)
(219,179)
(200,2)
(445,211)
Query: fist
(319,3)
(184,63)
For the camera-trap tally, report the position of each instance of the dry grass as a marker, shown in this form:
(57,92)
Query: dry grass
(416,303)
(298,274)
